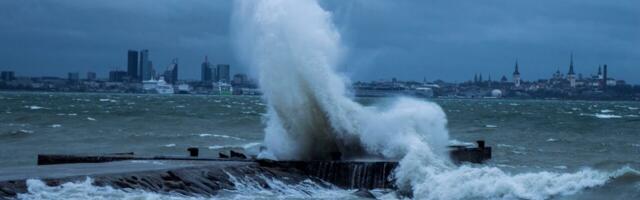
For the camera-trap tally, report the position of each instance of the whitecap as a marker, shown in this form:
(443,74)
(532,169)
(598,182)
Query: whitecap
(220,136)
(169,145)
(490,126)
(560,167)
(607,116)
(240,146)
(606,111)
(552,140)
(56,125)
(91,119)
(35,107)
(632,108)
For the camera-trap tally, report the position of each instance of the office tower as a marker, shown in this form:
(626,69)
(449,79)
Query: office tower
(91,76)
(132,65)
(73,76)
(206,70)
(7,75)
(117,76)
(146,73)
(223,73)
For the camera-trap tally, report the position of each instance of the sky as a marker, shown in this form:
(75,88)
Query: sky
(410,40)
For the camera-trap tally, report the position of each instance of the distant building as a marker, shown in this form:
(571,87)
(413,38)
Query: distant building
(223,73)
(239,79)
(91,76)
(571,76)
(206,71)
(171,74)
(516,75)
(132,65)
(73,76)
(146,72)
(117,76)
(7,76)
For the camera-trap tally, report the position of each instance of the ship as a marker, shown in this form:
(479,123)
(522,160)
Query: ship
(157,86)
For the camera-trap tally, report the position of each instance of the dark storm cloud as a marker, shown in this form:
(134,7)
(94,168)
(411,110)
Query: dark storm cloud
(455,39)
(448,39)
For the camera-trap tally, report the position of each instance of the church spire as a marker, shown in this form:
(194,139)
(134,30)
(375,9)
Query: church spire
(571,66)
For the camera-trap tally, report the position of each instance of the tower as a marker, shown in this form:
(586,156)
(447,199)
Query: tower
(223,73)
(132,65)
(516,75)
(599,71)
(206,70)
(571,76)
(146,72)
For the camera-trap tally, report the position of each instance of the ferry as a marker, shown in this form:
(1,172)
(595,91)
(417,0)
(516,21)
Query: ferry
(157,86)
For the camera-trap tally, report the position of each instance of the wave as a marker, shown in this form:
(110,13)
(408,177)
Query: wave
(260,187)
(295,48)
(38,190)
(219,136)
(492,183)
(242,146)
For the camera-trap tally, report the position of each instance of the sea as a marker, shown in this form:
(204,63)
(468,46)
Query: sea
(527,136)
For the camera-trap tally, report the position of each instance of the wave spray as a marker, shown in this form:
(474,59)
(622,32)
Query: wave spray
(294,48)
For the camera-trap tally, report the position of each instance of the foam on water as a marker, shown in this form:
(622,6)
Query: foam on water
(295,48)
(245,188)
(38,190)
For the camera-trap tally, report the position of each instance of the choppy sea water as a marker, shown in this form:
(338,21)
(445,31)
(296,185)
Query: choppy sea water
(526,136)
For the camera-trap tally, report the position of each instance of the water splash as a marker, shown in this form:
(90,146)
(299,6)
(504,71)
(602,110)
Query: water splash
(294,48)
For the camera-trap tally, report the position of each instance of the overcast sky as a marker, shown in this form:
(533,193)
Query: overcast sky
(434,39)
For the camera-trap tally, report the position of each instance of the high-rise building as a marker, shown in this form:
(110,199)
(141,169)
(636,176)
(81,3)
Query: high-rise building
(516,75)
(91,76)
(239,79)
(7,75)
(571,76)
(132,65)
(73,76)
(146,72)
(171,74)
(206,70)
(117,76)
(223,73)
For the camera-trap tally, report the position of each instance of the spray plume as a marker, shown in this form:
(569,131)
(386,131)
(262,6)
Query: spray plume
(294,48)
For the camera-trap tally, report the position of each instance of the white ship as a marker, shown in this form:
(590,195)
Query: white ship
(158,86)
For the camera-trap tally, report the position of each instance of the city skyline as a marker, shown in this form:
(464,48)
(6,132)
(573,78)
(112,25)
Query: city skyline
(438,44)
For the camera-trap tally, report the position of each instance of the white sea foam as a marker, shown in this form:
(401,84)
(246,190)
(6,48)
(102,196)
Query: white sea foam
(56,125)
(295,47)
(247,146)
(490,126)
(169,145)
(219,136)
(607,116)
(38,190)
(91,119)
(34,107)
(606,111)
